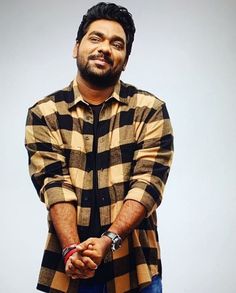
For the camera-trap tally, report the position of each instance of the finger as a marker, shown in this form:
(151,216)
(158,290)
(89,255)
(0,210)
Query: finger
(74,273)
(84,245)
(74,277)
(89,263)
(89,253)
(78,263)
(77,273)
(85,274)
(90,246)
(72,268)
(69,268)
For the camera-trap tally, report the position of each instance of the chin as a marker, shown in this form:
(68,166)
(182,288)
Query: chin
(100,71)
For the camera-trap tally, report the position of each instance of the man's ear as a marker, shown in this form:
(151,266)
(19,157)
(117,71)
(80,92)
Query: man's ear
(75,50)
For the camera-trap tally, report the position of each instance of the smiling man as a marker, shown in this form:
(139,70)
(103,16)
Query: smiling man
(100,151)
(101,54)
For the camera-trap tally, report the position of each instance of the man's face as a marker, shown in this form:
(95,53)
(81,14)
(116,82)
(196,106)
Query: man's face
(101,54)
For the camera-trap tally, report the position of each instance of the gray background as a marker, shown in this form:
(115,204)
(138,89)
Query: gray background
(183,51)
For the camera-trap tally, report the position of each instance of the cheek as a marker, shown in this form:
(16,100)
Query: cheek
(85,51)
(120,60)
(82,52)
(117,55)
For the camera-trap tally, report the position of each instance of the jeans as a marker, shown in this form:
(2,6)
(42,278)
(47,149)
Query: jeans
(154,287)
(94,288)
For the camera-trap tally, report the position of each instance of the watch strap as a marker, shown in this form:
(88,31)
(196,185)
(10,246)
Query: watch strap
(116,239)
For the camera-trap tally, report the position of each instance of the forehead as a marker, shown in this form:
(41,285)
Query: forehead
(108,28)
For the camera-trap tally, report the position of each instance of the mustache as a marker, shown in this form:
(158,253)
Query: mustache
(104,56)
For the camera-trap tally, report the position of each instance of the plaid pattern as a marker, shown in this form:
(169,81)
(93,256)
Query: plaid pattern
(135,147)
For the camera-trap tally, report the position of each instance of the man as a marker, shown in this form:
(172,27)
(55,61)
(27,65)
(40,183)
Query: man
(100,152)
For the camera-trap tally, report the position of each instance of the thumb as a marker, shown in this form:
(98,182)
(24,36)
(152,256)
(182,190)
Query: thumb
(83,245)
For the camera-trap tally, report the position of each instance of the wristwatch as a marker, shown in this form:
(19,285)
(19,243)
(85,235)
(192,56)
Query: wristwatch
(116,240)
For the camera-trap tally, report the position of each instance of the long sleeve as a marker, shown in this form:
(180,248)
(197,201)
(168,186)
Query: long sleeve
(152,158)
(47,163)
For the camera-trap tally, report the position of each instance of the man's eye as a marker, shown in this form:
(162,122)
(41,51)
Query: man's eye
(118,46)
(94,39)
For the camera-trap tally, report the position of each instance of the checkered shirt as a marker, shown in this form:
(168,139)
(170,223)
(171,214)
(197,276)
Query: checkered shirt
(134,154)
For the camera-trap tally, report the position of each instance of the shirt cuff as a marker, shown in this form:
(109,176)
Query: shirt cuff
(57,192)
(140,195)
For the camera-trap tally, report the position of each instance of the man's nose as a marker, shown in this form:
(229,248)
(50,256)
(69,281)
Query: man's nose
(105,47)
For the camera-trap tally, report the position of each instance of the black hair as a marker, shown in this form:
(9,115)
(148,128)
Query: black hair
(109,11)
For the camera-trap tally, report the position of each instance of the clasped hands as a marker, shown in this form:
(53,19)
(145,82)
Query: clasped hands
(83,263)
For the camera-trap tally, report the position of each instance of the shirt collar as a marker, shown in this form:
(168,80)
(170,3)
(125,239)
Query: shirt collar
(78,97)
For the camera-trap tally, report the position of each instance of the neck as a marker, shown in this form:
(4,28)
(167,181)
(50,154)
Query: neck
(91,94)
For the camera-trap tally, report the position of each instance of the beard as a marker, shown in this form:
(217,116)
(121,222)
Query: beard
(101,79)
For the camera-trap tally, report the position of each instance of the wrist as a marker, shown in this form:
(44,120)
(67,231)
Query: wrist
(68,251)
(69,254)
(107,241)
(113,240)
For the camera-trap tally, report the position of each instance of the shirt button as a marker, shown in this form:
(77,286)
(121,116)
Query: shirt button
(87,137)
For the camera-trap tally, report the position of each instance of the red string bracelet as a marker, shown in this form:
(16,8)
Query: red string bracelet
(68,254)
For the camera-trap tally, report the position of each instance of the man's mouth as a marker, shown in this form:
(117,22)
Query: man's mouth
(101,59)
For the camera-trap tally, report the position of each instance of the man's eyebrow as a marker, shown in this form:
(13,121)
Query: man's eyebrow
(99,34)
(113,38)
